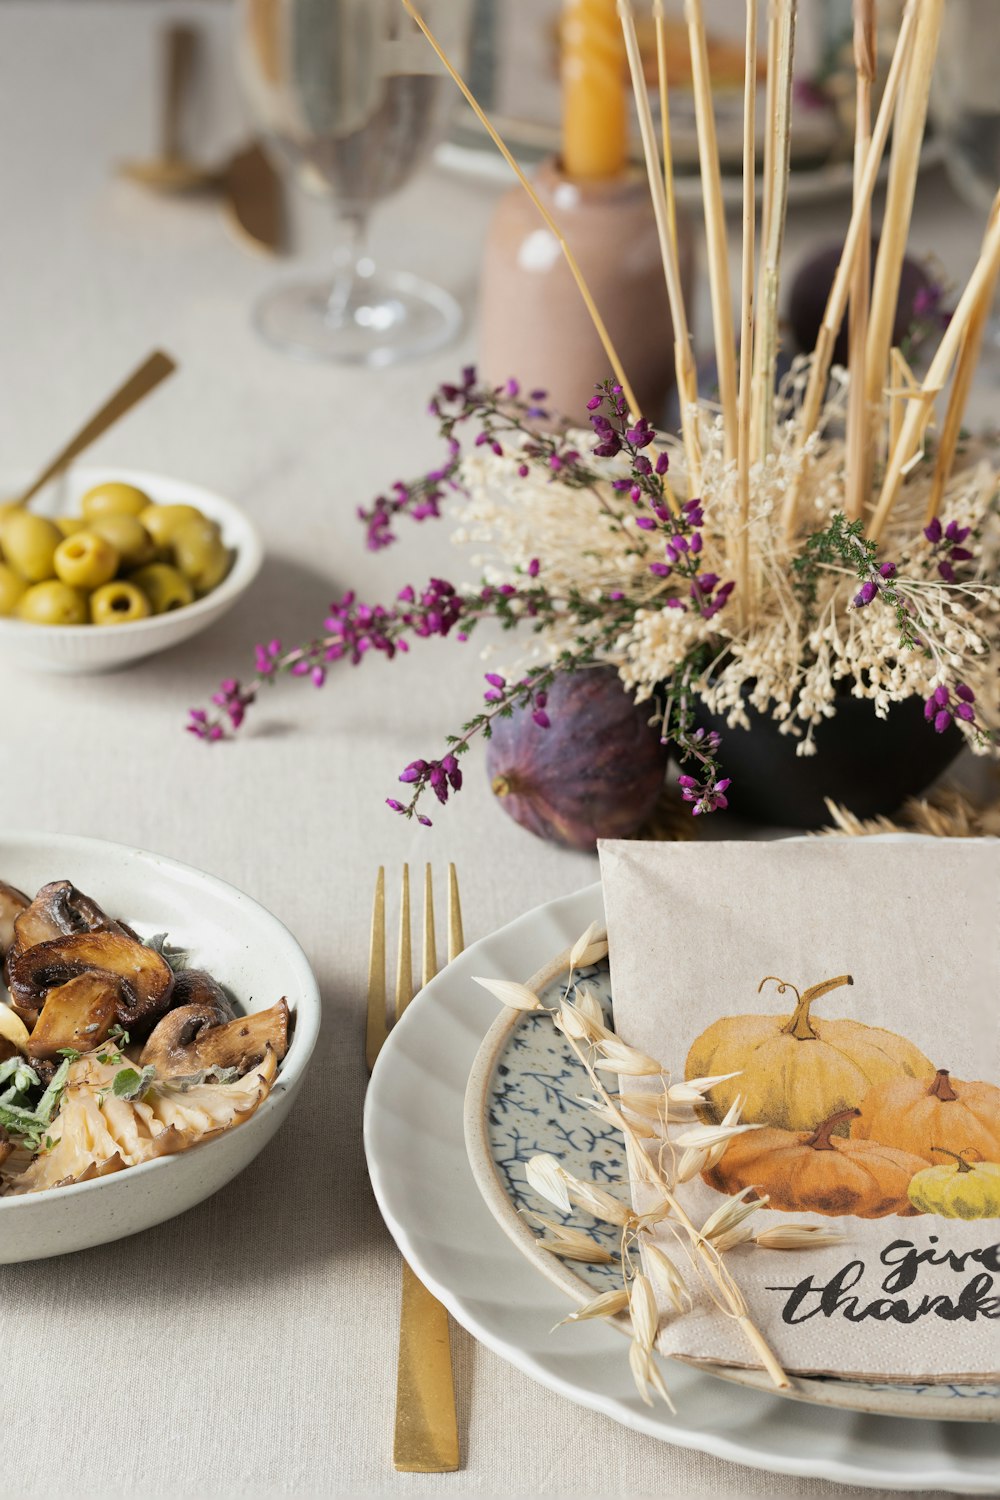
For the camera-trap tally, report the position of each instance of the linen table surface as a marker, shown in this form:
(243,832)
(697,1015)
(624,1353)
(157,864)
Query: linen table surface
(249,1347)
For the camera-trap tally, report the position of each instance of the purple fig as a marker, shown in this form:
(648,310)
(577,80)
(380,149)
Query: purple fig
(595,773)
(811,288)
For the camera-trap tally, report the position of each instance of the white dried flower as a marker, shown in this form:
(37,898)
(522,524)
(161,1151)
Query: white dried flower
(517,996)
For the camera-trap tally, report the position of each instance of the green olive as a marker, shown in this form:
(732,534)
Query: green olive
(161,521)
(128,536)
(201,554)
(163,586)
(12,586)
(86,560)
(53,603)
(29,545)
(114,499)
(7,509)
(118,603)
(69,524)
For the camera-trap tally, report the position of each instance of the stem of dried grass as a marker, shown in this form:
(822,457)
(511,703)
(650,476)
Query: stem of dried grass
(986,270)
(687,384)
(858,479)
(819,371)
(550,222)
(965,369)
(747,311)
(904,164)
(715,222)
(777,159)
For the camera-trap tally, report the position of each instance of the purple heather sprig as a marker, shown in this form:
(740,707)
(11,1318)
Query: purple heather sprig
(946,705)
(946,546)
(679,528)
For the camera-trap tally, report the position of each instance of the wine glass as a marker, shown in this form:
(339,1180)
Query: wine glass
(351,99)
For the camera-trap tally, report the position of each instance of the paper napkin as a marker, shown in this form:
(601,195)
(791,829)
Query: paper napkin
(837,976)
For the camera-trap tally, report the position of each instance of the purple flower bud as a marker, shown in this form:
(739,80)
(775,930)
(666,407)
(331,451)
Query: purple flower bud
(662,570)
(964,692)
(662,463)
(866,593)
(495,680)
(965,711)
(930,708)
(933,531)
(523,470)
(947,572)
(594,403)
(941,695)
(534,568)
(888,570)
(541,718)
(960,554)
(615,595)
(642,465)
(396,806)
(645,524)
(426,822)
(942,721)
(956,533)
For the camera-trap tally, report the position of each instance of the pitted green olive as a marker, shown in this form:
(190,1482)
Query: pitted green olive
(163,586)
(53,603)
(85,560)
(118,603)
(114,499)
(128,536)
(201,554)
(161,521)
(29,545)
(12,587)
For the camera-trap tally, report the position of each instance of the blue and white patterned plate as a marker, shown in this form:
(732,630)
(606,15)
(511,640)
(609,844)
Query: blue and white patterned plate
(526,1095)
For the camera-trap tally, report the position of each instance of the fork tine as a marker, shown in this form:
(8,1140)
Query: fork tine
(456,939)
(404,959)
(375,1027)
(430,963)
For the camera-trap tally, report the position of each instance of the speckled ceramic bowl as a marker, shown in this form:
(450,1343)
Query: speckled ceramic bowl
(220,929)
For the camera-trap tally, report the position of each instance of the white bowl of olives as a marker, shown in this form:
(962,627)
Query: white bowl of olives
(107,567)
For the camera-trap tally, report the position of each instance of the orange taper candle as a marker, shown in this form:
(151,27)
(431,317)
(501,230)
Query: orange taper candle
(595,122)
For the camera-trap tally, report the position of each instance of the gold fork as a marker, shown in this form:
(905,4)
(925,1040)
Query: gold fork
(425,1439)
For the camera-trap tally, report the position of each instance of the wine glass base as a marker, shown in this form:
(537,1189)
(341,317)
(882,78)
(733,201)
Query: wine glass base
(386,317)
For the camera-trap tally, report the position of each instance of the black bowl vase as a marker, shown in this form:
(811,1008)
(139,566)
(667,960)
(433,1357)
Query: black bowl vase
(869,765)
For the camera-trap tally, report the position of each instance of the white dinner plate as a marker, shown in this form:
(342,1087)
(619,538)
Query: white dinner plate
(424,1185)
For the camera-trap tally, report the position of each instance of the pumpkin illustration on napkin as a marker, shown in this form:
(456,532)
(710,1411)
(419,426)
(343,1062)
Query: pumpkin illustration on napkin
(797,1070)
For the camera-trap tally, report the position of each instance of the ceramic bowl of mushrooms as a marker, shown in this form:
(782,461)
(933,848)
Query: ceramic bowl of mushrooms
(155,1028)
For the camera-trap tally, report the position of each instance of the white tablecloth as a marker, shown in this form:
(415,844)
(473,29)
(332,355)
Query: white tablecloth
(249,1347)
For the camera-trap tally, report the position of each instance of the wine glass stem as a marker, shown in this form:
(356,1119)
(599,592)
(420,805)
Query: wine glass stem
(352,263)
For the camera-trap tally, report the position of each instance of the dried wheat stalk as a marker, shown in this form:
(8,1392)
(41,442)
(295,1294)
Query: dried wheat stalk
(687,383)
(819,371)
(715,222)
(549,221)
(777,162)
(907,141)
(858,474)
(747,309)
(965,369)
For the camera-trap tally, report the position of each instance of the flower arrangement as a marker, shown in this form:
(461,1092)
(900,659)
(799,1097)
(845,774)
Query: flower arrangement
(797,541)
